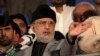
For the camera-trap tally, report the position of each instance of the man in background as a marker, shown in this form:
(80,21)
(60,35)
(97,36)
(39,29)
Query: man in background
(80,9)
(9,34)
(20,20)
(63,15)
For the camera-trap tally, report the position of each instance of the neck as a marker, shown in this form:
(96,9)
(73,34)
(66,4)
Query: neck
(59,9)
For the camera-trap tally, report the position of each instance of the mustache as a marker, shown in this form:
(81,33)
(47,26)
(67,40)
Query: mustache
(2,36)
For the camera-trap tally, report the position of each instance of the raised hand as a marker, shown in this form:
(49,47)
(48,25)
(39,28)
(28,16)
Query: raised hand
(76,28)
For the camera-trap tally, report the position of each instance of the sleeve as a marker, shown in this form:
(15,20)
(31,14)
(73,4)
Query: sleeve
(71,40)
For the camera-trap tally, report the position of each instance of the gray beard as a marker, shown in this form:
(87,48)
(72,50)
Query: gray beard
(46,39)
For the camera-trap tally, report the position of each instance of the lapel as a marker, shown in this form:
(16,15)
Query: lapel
(52,46)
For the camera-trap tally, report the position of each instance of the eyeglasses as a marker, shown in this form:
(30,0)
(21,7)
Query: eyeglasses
(43,23)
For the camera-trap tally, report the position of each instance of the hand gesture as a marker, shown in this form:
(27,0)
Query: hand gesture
(76,28)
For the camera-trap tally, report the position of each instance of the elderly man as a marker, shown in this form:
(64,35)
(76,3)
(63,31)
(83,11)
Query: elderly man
(78,27)
(87,36)
(86,9)
(48,43)
(9,34)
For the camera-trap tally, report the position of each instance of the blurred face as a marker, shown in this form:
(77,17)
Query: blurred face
(44,29)
(79,11)
(57,2)
(21,25)
(6,35)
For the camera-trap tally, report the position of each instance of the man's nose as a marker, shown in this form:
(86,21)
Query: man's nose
(2,33)
(47,26)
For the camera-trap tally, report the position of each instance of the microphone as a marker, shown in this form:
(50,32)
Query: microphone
(27,40)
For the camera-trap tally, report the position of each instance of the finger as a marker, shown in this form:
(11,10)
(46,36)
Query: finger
(73,25)
(87,24)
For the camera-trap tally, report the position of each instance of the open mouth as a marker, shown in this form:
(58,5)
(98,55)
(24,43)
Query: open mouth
(2,38)
(46,33)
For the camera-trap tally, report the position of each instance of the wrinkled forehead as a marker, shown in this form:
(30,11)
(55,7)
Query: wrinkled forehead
(82,8)
(57,1)
(44,19)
